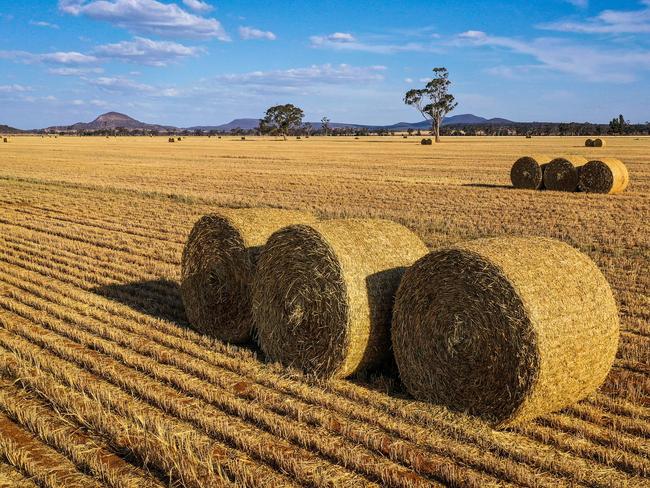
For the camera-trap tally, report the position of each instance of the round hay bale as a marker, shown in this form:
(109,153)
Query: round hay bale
(4,139)
(171,139)
(506,329)
(426,142)
(599,143)
(605,175)
(323,293)
(528,171)
(218,264)
(561,174)
(589,143)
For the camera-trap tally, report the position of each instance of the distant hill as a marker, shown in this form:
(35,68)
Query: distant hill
(5,129)
(113,120)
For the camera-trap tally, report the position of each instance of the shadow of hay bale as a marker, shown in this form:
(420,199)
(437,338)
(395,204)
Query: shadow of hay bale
(488,185)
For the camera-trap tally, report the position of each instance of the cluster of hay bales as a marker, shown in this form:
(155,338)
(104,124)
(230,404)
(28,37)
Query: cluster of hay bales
(171,139)
(598,142)
(569,174)
(426,142)
(505,329)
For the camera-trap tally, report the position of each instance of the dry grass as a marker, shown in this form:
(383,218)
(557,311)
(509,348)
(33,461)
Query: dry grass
(114,389)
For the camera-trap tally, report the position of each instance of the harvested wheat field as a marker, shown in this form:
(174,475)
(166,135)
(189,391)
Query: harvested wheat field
(102,382)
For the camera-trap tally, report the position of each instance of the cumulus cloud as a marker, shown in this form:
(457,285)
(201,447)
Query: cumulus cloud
(559,55)
(147,16)
(608,22)
(198,5)
(248,33)
(146,51)
(344,41)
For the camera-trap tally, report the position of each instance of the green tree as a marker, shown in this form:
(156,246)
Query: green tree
(282,119)
(325,125)
(434,100)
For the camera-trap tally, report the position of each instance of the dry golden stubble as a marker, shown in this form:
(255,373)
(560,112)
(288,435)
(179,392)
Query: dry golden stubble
(323,293)
(506,328)
(218,264)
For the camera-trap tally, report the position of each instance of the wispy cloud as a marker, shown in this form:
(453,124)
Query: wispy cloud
(74,71)
(15,88)
(248,33)
(587,63)
(59,57)
(119,84)
(317,74)
(147,16)
(579,3)
(146,51)
(198,5)
(607,22)
(42,23)
(345,41)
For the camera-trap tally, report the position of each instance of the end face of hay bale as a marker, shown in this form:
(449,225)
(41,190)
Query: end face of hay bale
(217,268)
(589,143)
(323,293)
(506,329)
(599,143)
(528,172)
(561,174)
(605,175)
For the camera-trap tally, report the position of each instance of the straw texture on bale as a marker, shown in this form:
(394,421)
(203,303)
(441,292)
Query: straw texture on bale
(561,174)
(589,143)
(323,293)
(506,329)
(605,175)
(218,264)
(599,143)
(528,172)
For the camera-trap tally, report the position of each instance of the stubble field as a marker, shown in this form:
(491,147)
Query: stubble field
(102,383)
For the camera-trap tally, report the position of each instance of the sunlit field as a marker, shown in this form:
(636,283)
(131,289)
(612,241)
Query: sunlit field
(116,390)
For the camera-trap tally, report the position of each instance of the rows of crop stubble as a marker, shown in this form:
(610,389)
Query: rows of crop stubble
(94,341)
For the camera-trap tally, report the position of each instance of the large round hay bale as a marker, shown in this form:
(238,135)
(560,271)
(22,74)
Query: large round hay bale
(605,175)
(589,143)
(323,293)
(599,143)
(561,174)
(506,329)
(218,264)
(528,171)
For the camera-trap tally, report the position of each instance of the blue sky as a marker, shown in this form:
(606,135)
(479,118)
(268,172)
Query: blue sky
(200,62)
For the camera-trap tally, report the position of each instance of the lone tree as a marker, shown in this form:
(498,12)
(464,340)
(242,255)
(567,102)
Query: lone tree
(433,101)
(282,119)
(325,125)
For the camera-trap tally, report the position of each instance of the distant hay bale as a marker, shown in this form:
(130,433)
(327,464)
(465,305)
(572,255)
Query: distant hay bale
(243,138)
(426,142)
(323,293)
(298,137)
(599,143)
(4,139)
(589,143)
(561,174)
(528,136)
(171,139)
(605,175)
(506,329)
(405,137)
(178,138)
(528,171)
(217,268)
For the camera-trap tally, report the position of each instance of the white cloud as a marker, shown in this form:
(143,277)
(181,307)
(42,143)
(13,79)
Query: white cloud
(77,102)
(313,75)
(248,33)
(119,84)
(579,3)
(146,51)
(560,55)
(15,88)
(74,71)
(344,41)
(147,16)
(607,22)
(198,5)
(408,80)
(42,23)
(65,58)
